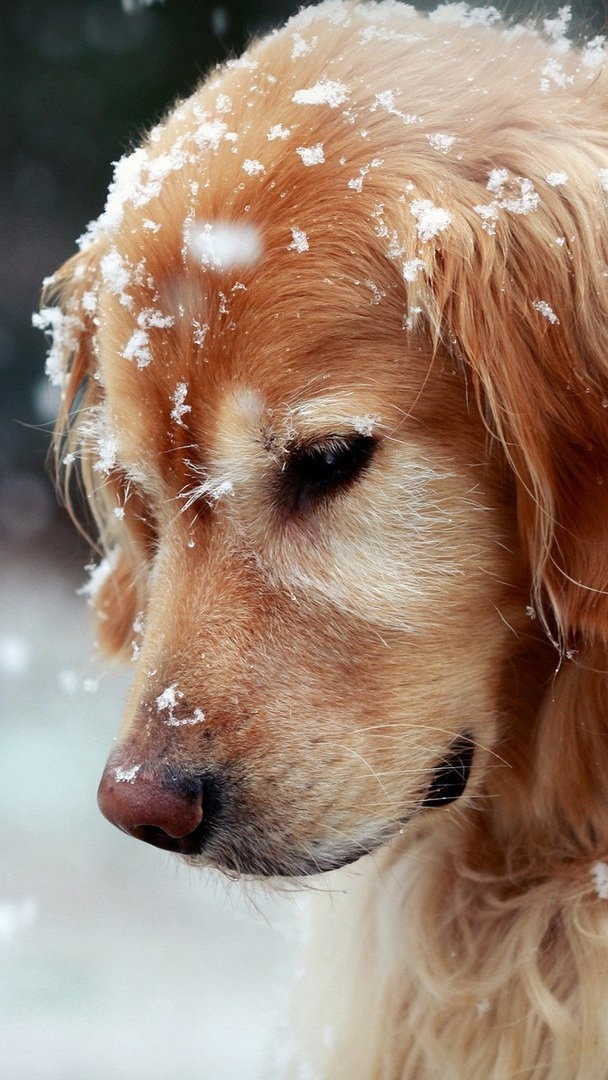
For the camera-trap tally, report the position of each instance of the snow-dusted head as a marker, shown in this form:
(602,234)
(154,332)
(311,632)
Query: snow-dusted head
(334,371)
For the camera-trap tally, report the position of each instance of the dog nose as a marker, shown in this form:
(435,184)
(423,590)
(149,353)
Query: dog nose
(160,808)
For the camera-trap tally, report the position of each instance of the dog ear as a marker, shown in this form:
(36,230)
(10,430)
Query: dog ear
(114,597)
(520,292)
(68,315)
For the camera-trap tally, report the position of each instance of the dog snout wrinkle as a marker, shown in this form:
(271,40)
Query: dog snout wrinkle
(159,808)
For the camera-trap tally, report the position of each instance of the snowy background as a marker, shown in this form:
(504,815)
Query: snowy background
(116,962)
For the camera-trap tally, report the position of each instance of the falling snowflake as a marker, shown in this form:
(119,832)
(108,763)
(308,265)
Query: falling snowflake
(224,245)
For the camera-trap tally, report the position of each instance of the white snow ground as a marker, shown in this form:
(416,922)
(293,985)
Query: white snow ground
(116,962)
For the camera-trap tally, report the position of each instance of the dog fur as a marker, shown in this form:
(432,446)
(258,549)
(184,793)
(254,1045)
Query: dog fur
(379,233)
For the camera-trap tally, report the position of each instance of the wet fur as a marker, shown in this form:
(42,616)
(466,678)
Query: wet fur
(460,584)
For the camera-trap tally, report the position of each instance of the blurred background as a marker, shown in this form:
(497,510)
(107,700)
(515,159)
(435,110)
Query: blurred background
(115,963)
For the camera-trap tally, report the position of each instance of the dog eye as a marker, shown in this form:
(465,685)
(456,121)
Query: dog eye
(319,470)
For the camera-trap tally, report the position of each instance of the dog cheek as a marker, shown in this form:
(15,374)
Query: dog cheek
(412,561)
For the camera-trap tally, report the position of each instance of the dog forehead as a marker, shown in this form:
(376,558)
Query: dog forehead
(176,337)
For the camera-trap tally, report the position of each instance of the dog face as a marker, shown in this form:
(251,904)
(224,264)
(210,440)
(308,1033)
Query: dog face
(288,317)
(325,555)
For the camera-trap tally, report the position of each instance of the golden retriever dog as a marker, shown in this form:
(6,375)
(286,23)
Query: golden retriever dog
(334,363)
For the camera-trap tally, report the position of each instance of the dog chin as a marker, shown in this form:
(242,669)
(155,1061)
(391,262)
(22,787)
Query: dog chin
(448,783)
(295,864)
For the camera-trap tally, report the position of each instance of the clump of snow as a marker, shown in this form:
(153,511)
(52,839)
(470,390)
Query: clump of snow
(299,240)
(515,194)
(89,301)
(412,268)
(102,439)
(210,133)
(138,346)
(138,178)
(603,178)
(430,219)
(441,142)
(211,490)
(138,349)
(198,717)
(126,776)
(324,92)
(411,319)
(138,629)
(333,11)
(388,33)
(116,276)
(218,489)
(180,409)
(311,155)
(557,28)
(553,72)
(152,317)
(366,425)
(464,15)
(199,332)
(64,331)
(126,180)
(277,131)
(356,184)
(223,103)
(395,246)
(168,698)
(599,874)
(593,55)
(253,167)
(99,573)
(386,100)
(555,179)
(546,310)
(224,245)
(377,293)
(302,47)
(168,701)
(108,451)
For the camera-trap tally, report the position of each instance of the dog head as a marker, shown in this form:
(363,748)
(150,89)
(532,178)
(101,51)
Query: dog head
(336,353)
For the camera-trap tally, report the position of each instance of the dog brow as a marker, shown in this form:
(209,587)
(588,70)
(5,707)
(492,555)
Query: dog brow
(333,414)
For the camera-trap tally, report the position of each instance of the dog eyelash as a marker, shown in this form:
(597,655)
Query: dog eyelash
(316,471)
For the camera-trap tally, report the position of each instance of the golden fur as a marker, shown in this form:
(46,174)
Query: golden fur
(420,211)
